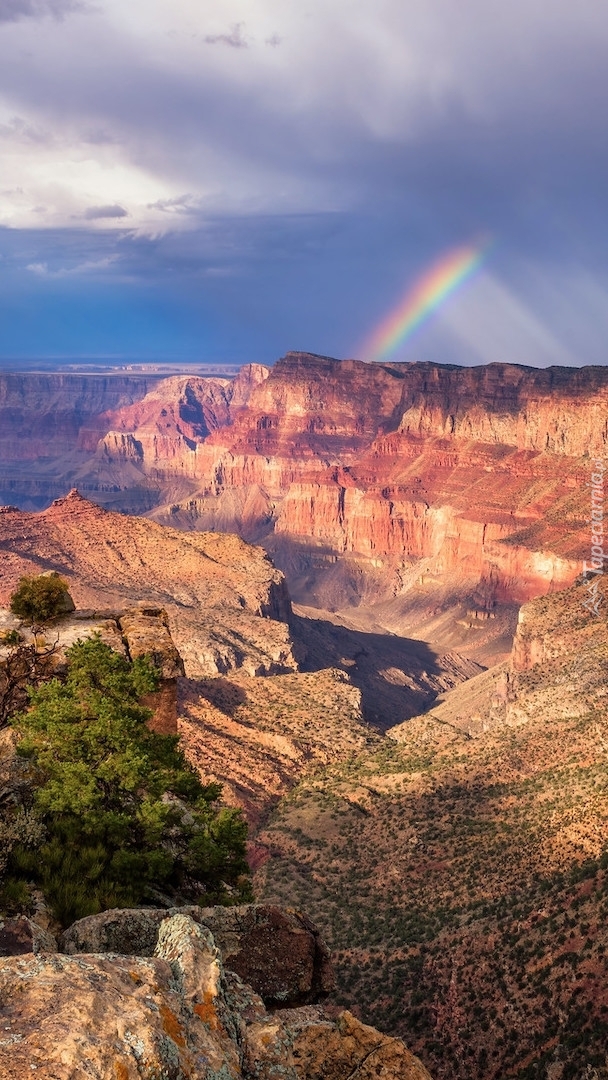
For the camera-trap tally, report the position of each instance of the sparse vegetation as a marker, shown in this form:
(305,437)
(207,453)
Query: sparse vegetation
(464,883)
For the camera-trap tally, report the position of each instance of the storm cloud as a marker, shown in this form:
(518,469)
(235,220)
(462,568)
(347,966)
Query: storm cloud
(295,190)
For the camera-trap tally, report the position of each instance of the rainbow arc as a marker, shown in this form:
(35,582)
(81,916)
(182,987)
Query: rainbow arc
(422,299)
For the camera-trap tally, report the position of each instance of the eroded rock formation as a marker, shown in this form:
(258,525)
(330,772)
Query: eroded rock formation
(226,604)
(472,473)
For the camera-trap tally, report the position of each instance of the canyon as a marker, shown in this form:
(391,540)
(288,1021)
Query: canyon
(432,498)
(387,664)
(455,865)
(458,867)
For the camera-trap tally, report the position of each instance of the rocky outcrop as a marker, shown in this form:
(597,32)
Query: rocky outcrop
(138,631)
(555,668)
(347,1048)
(549,630)
(178,1013)
(145,632)
(227,606)
(280,954)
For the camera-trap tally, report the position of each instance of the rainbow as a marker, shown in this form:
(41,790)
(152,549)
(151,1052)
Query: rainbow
(430,291)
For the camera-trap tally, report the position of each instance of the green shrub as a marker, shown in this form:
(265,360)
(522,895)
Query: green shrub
(38,599)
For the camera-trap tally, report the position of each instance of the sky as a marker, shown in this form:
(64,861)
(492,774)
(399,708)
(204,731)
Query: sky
(206,181)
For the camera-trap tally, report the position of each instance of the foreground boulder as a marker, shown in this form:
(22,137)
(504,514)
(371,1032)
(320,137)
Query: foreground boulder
(278,953)
(176,1015)
(117,1017)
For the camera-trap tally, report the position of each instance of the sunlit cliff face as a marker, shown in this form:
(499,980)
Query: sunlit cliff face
(470,476)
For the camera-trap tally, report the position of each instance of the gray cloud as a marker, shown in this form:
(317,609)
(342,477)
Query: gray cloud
(13,10)
(180,204)
(352,157)
(235,39)
(96,213)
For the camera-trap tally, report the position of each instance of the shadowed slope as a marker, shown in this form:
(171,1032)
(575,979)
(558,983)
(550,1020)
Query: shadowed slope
(463,880)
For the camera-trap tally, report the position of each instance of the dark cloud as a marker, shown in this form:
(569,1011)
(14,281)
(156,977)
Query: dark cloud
(249,288)
(235,39)
(95,213)
(13,10)
(486,124)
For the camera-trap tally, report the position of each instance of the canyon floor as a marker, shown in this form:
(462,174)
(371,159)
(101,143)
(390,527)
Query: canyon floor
(461,877)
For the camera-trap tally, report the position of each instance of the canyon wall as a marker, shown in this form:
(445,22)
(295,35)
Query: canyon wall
(470,474)
(404,473)
(41,414)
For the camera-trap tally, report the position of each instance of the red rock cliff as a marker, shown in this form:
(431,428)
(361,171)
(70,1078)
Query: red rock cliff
(478,471)
(472,472)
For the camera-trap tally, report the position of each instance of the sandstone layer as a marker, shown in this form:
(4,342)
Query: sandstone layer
(474,476)
(58,431)
(41,415)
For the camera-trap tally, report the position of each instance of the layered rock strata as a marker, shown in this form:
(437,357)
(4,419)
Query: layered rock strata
(474,475)
(398,470)
(41,415)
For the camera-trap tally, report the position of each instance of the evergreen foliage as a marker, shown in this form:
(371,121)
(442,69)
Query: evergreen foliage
(38,599)
(124,812)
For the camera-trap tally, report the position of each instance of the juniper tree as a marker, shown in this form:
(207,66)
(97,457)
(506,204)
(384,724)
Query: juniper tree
(40,598)
(125,813)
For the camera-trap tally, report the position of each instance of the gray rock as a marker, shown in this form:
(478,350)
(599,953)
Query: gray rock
(21,935)
(278,953)
(127,931)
